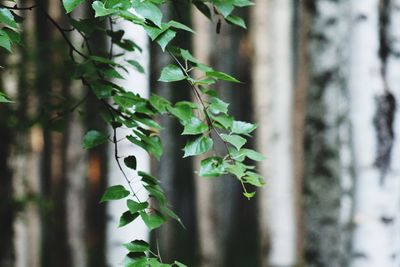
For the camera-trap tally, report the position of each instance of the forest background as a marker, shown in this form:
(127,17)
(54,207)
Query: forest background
(321,78)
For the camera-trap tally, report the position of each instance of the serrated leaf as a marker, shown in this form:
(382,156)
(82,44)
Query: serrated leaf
(130,162)
(134,206)
(222,76)
(153,220)
(241,127)
(235,140)
(198,146)
(194,126)
(218,106)
(127,217)
(114,193)
(70,5)
(212,167)
(137,246)
(93,138)
(171,73)
(101,10)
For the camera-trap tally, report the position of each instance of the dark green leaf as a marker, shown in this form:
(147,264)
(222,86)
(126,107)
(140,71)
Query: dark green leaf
(130,162)
(127,217)
(198,146)
(7,18)
(165,38)
(114,193)
(159,103)
(5,41)
(136,65)
(93,138)
(149,11)
(137,246)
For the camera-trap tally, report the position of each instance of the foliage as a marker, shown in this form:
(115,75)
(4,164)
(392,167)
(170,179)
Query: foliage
(206,120)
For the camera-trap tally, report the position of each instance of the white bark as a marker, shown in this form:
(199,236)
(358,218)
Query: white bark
(138,83)
(372,237)
(273,78)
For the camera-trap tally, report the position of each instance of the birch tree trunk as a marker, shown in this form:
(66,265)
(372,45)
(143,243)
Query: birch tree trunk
(273,99)
(327,166)
(136,230)
(371,107)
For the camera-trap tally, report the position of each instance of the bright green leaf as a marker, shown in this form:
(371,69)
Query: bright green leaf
(153,220)
(179,264)
(241,127)
(101,10)
(254,179)
(249,195)
(238,21)
(114,193)
(149,11)
(194,126)
(212,167)
(198,146)
(70,5)
(235,140)
(134,206)
(172,73)
(218,106)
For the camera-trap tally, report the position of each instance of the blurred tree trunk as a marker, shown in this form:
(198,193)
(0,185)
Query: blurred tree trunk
(224,214)
(273,102)
(372,115)
(175,172)
(326,143)
(392,76)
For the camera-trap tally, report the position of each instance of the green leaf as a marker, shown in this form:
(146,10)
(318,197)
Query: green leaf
(93,138)
(157,193)
(137,246)
(148,178)
(4,99)
(130,162)
(242,3)
(241,127)
(165,38)
(167,211)
(179,264)
(198,146)
(135,259)
(182,111)
(212,167)
(127,217)
(153,220)
(238,21)
(238,169)
(114,193)
(224,7)
(222,76)
(172,73)
(178,25)
(136,65)
(149,11)
(224,120)
(7,18)
(188,56)
(5,41)
(251,154)
(235,140)
(159,103)
(218,106)
(70,5)
(102,90)
(254,179)
(101,10)
(194,126)
(134,206)
(249,195)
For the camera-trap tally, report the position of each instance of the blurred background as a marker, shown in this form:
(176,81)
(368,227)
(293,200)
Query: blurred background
(321,78)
